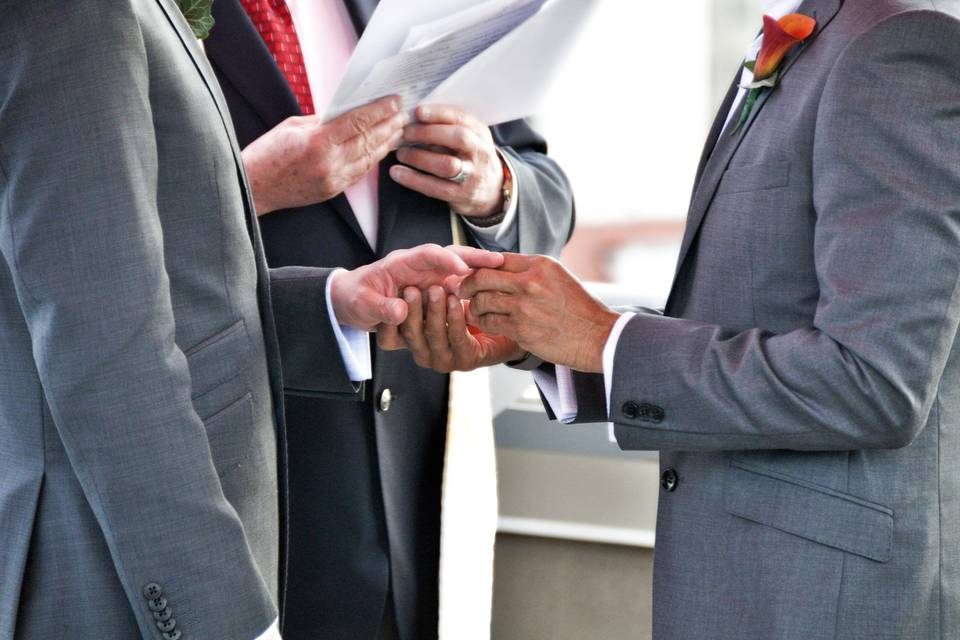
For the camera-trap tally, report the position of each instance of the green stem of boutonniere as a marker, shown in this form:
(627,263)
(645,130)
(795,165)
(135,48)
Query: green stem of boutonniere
(197,13)
(748,104)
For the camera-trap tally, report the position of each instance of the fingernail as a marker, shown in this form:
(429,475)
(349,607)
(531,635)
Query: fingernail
(424,113)
(396,104)
(452,303)
(435,294)
(408,296)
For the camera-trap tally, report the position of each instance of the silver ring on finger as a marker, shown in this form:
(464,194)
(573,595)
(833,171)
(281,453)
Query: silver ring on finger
(464,174)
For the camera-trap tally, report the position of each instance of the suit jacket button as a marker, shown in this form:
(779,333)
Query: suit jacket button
(163,616)
(631,410)
(386,399)
(152,591)
(167,626)
(669,480)
(157,604)
(173,635)
(654,413)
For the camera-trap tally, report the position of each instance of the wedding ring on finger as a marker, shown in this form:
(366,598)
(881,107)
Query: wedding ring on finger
(464,174)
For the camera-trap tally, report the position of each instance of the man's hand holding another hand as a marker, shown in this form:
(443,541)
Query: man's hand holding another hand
(536,302)
(529,304)
(437,335)
(369,296)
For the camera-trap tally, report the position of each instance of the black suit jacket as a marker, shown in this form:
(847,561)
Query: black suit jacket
(364,482)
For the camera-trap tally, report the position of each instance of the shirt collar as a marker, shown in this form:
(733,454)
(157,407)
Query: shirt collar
(776,9)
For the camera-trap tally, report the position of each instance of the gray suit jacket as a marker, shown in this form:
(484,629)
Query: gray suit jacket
(804,382)
(141,433)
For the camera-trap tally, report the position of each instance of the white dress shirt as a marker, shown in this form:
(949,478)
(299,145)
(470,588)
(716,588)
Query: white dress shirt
(559,390)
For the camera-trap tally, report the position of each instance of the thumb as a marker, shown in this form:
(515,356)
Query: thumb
(392,311)
(452,284)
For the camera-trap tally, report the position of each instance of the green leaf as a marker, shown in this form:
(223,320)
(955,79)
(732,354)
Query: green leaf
(197,13)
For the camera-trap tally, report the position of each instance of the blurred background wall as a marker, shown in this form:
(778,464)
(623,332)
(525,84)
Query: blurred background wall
(627,122)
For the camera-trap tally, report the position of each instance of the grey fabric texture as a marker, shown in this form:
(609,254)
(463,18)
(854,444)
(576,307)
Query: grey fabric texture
(803,383)
(141,434)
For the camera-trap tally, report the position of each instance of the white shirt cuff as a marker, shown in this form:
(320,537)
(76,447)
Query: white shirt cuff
(354,344)
(559,391)
(506,235)
(609,351)
(273,633)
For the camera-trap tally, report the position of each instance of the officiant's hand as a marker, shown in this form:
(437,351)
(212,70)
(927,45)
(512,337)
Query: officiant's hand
(437,335)
(453,144)
(304,161)
(368,296)
(543,307)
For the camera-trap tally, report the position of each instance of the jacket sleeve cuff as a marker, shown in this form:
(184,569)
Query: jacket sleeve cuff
(307,335)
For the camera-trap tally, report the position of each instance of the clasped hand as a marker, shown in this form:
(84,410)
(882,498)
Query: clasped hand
(497,314)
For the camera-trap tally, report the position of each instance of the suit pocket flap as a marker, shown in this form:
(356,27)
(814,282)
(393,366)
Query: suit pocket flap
(755,177)
(804,509)
(217,359)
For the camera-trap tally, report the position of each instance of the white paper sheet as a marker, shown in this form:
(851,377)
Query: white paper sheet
(495,60)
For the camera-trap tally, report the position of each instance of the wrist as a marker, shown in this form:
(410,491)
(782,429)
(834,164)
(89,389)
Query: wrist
(339,295)
(523,360)
(258,190)
(590,356)
(498,203)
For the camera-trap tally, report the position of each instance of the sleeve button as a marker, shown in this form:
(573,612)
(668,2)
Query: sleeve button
(163,616)
(152,591)
(167,626)
(173,635)
(157,604)
(630,410)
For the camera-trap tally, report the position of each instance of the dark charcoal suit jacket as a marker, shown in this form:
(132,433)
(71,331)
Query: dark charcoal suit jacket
(365,482)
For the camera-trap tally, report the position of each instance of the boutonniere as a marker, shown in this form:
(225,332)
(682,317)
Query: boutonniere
(197,13)
(779,37)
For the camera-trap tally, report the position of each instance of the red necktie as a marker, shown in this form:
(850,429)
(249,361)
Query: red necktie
(272,19)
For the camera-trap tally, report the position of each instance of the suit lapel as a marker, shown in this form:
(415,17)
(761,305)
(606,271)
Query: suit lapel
(392,197)
(717,160)
(715,130)
(360,12)
(182,30)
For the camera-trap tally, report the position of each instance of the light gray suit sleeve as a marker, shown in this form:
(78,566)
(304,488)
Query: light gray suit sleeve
(887,251)
(80,232)
(545,206)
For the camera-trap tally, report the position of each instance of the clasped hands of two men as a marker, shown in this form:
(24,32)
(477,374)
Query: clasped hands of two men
(462,308)
(457,308)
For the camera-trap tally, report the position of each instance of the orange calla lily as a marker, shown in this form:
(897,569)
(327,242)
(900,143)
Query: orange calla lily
(779,36)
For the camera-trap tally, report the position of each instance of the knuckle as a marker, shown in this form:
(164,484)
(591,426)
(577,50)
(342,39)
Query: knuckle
(358,123)
(323,167)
